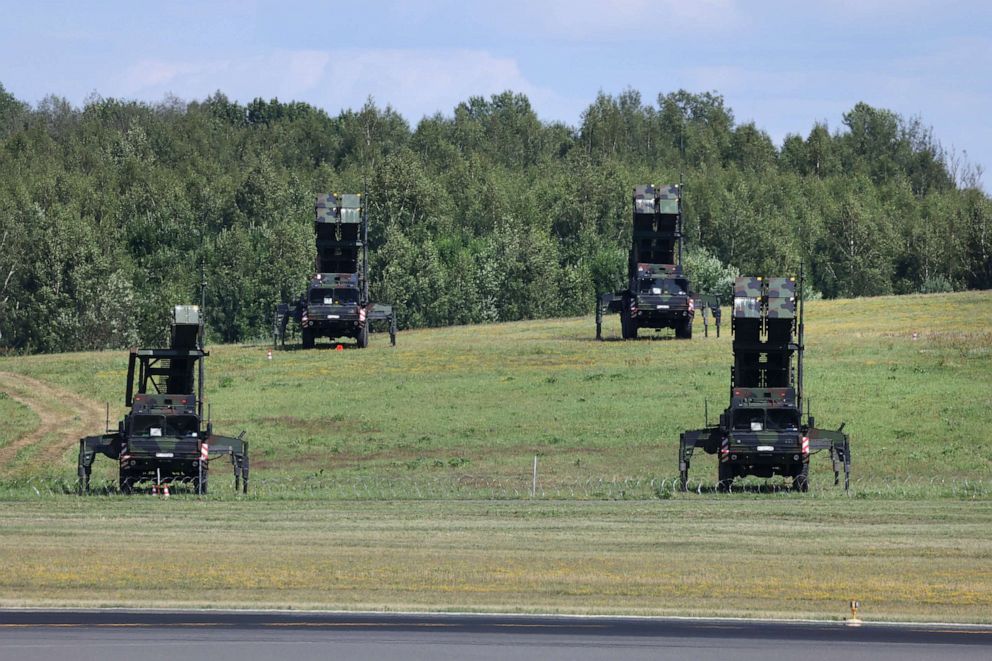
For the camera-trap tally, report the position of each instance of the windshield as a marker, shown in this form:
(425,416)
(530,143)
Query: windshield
(147,425)
(333,296)
(161,425)
(181,425)
(770,420)
(782,420)
(749,420)
(662,286)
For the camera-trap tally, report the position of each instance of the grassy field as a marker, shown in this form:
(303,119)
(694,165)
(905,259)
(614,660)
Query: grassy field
(18,419)
(463,411)
(711,556)
(400,477)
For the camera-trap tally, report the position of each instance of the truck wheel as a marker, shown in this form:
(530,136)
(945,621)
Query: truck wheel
(800,482)
(308,339)
(724,476)
(684,330)
(363,336)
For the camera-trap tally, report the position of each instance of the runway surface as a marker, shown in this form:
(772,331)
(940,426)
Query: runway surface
(109,635)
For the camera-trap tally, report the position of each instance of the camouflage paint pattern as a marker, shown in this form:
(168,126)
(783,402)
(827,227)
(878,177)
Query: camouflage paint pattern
(781,294)
(336,208)
(649,199)
(772,298)
(749,287)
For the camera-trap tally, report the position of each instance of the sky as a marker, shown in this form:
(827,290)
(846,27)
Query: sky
(784,65)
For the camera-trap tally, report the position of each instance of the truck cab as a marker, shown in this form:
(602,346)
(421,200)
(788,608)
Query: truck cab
(763,431)
(333,308)
(162,439)
(660,298)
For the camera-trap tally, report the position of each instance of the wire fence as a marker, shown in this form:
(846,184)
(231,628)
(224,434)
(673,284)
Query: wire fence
(477,487)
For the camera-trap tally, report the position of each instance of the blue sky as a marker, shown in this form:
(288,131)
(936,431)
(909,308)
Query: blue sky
(784,65)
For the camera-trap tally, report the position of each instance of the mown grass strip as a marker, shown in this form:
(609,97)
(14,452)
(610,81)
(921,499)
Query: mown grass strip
(714,556)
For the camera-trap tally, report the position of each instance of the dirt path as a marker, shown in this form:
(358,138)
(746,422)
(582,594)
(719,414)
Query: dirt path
(64,417)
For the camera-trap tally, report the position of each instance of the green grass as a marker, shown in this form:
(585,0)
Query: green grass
(907,560)
(399,479)
(463,411)
(18,419)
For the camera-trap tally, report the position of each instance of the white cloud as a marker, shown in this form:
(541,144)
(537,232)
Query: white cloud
(150,74)
(635,20)
(305,68)
(421,82)
(414,82)
(937,84)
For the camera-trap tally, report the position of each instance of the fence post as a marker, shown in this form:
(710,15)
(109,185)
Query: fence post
(533,486)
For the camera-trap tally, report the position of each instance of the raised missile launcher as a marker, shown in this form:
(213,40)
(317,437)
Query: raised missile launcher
(762,432)
(658,294)
(336,303)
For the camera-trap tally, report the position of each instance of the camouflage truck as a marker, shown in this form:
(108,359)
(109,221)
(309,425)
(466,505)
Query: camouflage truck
(658,294)
(336,303)
(164,437)
(762,432)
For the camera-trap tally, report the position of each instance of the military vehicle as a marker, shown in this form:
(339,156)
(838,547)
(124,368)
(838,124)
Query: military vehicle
(164,438)
(762,432)
(658,294)
(336,303)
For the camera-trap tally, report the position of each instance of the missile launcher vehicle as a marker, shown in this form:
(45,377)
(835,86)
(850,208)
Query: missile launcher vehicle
(762,432)
(658,294)
(336,303)
(164,438)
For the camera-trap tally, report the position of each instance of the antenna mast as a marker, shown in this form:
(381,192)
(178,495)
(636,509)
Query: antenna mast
(681,227)
(799,362)
(203,320)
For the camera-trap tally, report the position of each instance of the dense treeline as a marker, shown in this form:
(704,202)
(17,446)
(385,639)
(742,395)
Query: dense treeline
(108,211)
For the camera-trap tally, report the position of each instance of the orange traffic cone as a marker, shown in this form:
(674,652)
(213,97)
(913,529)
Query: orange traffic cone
(269,354)
(339,348)
(165,491)
(154,489)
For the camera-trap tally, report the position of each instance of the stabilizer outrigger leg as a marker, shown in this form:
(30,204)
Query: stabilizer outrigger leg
(279,323)
(706,438)
(847,464)
(108,445)
(599,319)
(685,457)
(840,456)
(839,445)
(84,467)
(237,449)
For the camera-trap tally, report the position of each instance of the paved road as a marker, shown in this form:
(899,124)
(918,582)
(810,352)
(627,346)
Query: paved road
(34,635)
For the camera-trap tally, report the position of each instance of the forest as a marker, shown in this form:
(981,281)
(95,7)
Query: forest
(110,212)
